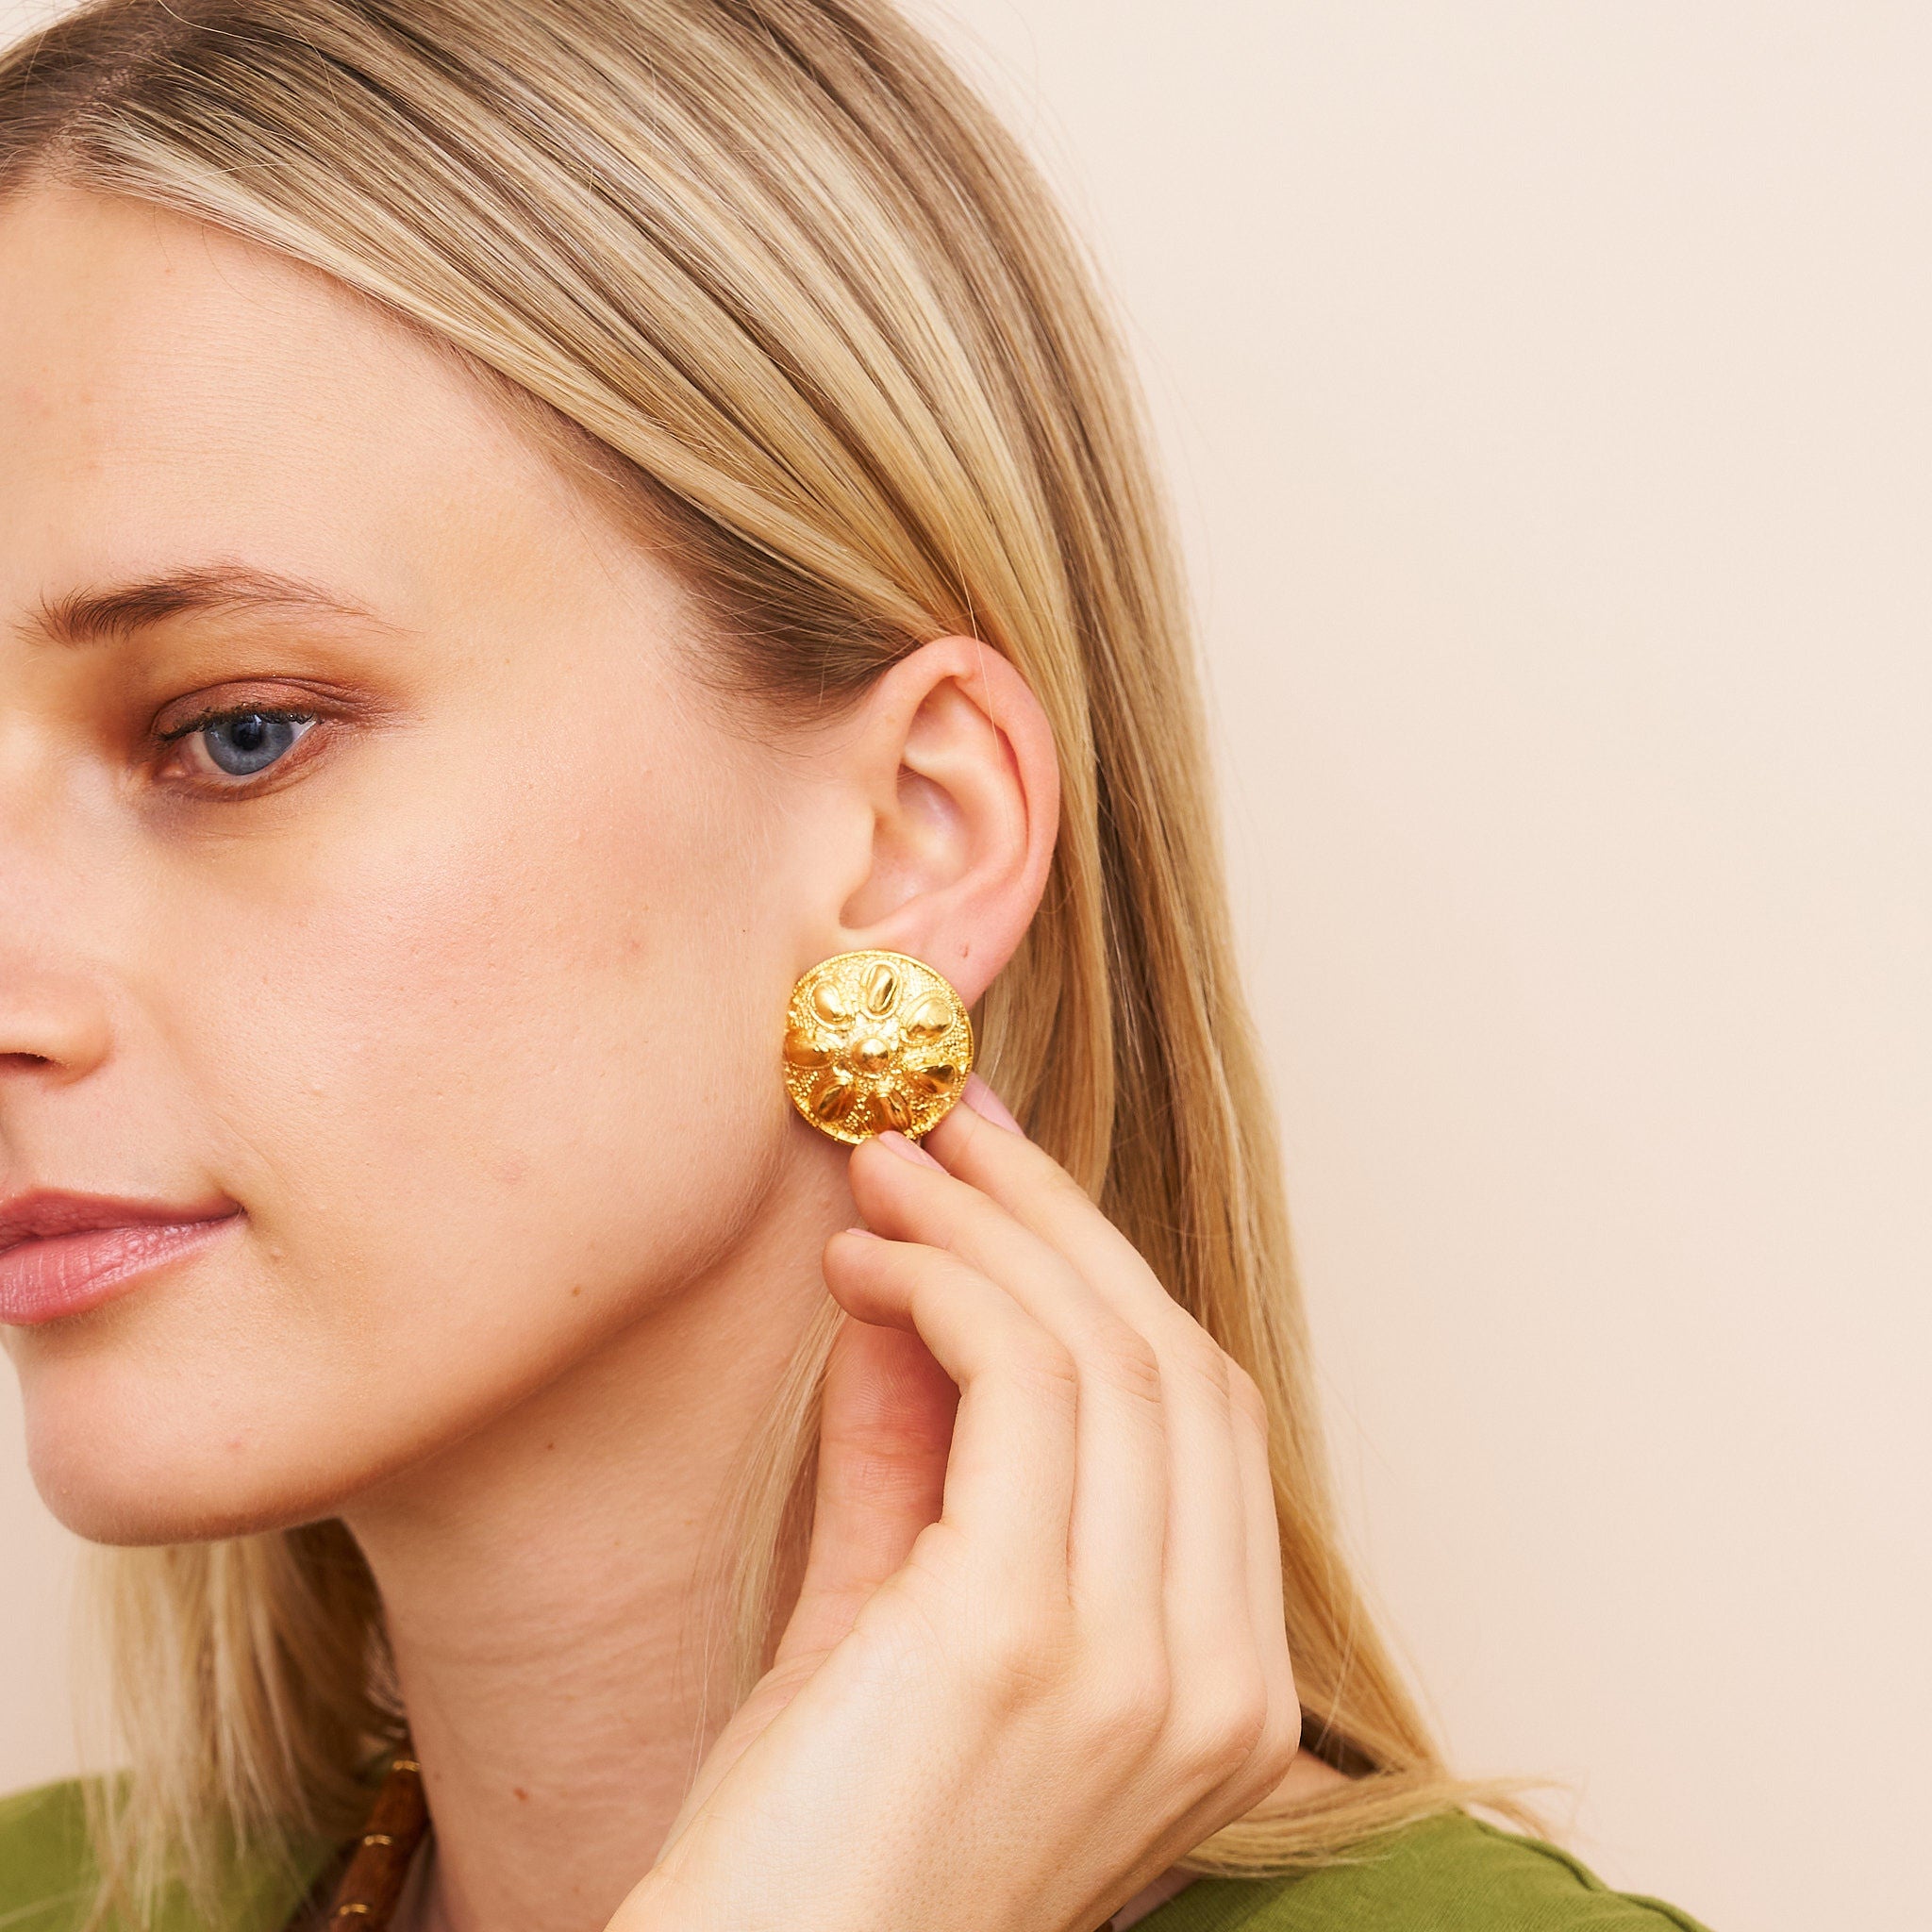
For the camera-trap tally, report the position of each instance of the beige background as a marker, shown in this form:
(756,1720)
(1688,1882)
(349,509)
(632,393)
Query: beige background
(1549,399)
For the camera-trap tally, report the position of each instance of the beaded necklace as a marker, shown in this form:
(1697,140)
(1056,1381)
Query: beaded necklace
(366,1893)
(398,1821)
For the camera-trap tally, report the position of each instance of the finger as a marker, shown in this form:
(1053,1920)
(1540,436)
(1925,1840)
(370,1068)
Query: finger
(1207,1583)
(1207,1594)
(1250,1749)
(886,1424)
(1043,1197)
(1010,1475)
(1117,1535)
(1267,1606)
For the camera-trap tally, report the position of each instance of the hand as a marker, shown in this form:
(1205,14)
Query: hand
(1038,1651)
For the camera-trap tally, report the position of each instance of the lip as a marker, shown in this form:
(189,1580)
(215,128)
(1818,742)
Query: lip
(61,1253)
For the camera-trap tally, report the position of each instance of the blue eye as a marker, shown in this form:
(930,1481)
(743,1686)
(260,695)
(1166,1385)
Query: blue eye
(243,742)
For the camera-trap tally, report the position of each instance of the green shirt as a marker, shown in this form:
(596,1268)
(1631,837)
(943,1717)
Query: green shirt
(1452,1874)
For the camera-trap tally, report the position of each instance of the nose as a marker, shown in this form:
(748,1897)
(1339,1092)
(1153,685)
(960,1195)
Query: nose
(53,1011)
(52,1024)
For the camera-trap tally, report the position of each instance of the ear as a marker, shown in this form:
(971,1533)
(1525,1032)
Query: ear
(952,788)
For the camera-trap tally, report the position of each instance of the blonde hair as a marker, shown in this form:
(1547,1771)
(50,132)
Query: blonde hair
(787,280)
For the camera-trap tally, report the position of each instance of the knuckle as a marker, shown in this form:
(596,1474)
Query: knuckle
(1272,1759)
(1045,1365)
(1245,1395)
(1129,1364)
(1137,1699)
(1225,1723)
(1281,1744)
(1021,1652)
(1204,1364)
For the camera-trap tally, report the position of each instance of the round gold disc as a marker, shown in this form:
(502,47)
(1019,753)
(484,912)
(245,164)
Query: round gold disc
(875,1040)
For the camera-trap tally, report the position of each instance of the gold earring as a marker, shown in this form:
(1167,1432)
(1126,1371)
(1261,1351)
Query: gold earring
(875,1040)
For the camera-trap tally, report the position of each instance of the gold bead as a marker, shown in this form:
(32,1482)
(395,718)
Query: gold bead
(927,1022)
(881,990)
(803,1050)
(875,1040)
(832,1097)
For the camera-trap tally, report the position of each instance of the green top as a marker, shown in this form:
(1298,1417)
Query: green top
(1452,1874)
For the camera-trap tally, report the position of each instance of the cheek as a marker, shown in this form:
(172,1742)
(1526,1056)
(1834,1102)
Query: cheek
(488,1084)
(518,1033)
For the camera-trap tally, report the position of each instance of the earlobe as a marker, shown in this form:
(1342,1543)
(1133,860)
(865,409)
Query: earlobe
(956,759)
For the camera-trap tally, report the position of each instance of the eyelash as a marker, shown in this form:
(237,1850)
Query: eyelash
(228,783)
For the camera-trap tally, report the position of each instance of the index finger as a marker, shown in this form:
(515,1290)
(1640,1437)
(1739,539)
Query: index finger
(1045,1199)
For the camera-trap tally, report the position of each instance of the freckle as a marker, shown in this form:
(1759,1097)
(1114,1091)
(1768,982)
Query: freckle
(550,1445)
(577,1291)
(522,1797)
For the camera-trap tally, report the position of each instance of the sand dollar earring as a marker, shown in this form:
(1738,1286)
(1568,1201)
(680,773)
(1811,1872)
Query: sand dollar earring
(875,1040)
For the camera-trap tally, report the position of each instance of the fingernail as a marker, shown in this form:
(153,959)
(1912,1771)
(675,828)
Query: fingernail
(906,1150)
(988,1106)
(865,1231)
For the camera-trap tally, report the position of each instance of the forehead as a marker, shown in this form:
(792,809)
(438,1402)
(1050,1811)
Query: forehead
(167,390)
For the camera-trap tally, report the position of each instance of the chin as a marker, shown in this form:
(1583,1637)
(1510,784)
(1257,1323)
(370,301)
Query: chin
(151,1493)
(123,1452)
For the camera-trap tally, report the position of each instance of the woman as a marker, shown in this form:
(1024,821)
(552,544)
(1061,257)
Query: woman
(526,530)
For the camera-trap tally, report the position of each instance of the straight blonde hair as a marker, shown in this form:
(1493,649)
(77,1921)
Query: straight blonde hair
(775,271)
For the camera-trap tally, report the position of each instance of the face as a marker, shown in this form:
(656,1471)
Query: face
(378,891)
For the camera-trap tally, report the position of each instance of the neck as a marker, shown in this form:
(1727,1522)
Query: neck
(544,1594)
(548,1585)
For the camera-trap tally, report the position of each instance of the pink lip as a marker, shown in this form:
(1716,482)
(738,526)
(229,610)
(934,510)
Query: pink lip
(62,1254)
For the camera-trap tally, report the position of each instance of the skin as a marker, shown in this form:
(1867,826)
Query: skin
(461,1006)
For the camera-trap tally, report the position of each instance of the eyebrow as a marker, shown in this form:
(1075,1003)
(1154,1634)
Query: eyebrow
(111,613)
